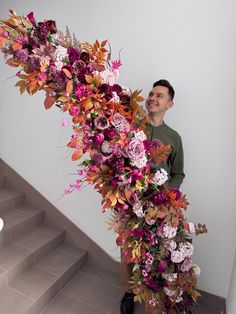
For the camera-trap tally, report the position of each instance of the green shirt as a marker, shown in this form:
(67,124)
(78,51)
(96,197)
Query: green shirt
(174,164)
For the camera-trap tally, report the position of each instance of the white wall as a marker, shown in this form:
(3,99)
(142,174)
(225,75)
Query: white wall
(191,43)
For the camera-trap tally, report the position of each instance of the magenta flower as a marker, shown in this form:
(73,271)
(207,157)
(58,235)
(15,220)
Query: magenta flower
(97,139)
(135,149)
(31,18)
(79,91)
(101,123)
(162,267)
(73,54)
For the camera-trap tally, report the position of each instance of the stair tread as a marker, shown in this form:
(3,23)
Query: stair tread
(13,302)
(34,282)
(35,238)
(8,194)
(14,216)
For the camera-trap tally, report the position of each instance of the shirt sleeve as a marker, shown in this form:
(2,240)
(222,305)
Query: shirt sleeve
(177,165)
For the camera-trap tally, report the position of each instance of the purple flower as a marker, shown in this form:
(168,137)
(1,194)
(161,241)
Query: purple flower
(162,267)
(110,133)
(34,63)
(97,139)
(22,55)
(98,158)
(73,54)
(101,123)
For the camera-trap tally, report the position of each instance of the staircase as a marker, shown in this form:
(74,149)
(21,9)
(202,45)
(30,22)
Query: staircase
(35,262)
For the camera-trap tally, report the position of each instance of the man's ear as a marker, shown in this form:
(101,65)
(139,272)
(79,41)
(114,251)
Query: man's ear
(170,104)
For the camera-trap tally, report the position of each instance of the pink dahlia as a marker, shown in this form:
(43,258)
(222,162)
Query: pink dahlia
(101,123)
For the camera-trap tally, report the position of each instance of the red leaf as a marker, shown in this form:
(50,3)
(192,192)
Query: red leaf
(48,102)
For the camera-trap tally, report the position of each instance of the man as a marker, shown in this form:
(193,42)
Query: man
(159,100)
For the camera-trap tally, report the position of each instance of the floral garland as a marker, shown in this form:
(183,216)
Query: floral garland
(109,125)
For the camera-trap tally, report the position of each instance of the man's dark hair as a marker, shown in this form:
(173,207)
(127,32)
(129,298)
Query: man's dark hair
(165,83)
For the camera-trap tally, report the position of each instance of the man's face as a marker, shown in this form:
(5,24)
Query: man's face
(158,100)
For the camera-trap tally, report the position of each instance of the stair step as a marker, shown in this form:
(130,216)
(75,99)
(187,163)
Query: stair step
(44,280)
(10,199)
(3,181)
(27,249)
(18,220)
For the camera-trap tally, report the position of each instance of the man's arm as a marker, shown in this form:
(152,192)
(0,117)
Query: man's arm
(177,165)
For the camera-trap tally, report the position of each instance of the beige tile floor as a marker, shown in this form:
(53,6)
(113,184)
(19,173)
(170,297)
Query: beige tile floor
(95,291)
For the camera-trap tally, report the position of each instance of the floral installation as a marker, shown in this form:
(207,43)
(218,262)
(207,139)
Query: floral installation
(109,127)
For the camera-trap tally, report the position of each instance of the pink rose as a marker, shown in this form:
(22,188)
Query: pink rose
(135,149)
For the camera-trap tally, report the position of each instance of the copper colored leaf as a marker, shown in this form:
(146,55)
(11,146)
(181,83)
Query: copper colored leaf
(48,102)
(77,154)
(69,87)
(67,73)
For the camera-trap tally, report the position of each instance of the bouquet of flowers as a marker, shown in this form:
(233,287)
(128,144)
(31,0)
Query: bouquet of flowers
(109,126)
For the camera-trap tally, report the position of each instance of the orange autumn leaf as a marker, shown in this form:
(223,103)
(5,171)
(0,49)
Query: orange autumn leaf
(16,46)
(160,153)
(77,154)
(67,73)
(2,41)
(69,87)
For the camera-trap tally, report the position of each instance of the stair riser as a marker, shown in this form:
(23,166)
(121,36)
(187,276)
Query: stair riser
(13,232)
(57,286)
(32,259)
(11,203)
(3,182)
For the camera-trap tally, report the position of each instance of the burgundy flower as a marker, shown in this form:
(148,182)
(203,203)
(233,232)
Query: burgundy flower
(114,182)
(160,198)
(44,29)
(73,54)
(110,133)
(125,99)
(138,233)
(116,88)
(85,57)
